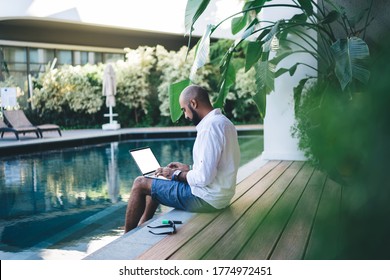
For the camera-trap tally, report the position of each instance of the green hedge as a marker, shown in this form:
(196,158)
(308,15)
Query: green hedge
(72,95)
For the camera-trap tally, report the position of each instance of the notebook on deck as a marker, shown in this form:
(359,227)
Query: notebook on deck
(146,162)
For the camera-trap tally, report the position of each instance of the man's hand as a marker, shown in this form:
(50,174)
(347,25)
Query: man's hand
(179,165)
(165,172)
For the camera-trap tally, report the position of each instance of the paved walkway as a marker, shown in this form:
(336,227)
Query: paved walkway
(70,138)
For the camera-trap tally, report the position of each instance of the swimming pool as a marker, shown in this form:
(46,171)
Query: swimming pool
(47,193)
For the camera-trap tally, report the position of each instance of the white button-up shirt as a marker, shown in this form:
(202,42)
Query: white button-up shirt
(216,156)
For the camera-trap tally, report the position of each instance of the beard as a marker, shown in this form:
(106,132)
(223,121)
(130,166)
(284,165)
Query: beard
(195,117)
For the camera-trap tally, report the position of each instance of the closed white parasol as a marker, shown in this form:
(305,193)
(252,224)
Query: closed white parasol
(109,85)
(109,90)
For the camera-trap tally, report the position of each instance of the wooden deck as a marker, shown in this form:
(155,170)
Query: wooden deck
(285,210)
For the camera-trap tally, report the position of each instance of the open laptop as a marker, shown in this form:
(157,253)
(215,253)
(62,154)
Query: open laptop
(146,162)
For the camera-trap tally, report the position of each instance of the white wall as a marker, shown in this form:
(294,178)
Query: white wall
(279,144)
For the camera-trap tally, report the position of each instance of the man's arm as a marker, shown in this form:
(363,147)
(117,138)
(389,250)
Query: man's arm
(182,177)
(179,165)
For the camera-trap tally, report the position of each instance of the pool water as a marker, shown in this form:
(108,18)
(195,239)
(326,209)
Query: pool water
(45,198)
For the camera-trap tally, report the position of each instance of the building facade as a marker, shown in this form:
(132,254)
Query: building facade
(36,33)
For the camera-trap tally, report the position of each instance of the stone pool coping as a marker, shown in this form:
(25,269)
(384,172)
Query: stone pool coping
(72,138)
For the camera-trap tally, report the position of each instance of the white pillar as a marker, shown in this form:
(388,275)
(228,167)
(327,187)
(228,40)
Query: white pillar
(279,144)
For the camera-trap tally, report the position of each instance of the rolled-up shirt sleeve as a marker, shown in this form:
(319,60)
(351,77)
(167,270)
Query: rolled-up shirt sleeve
(207,154)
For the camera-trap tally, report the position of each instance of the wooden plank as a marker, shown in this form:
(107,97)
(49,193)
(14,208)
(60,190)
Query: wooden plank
(200,243)
(292,243)
(165,248)
(247,183)
(269,231)
(324,240)
(231,243)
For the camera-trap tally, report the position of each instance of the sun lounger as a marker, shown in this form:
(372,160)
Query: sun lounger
(17,119)
(4,128)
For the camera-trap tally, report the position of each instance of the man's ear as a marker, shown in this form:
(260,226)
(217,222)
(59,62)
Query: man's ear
(194,103)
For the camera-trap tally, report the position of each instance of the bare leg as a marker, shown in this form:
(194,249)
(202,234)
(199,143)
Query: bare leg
(137,202)
(150,209)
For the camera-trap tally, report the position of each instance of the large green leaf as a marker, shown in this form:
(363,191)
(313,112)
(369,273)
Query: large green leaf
(291,70)
(299,18)
(350,56)
(265,80)
(265,75)
(249,30)
(298,94)
(174,94)
(228,79)
(254,3)
(238,23)
(281,54)
(260,100)
(331,17)
(307,6)
(263,34)
(202,52)
(194,9)
(227,83)
(253,54)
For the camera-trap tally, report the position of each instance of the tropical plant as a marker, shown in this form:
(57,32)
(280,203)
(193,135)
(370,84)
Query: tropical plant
(310,31)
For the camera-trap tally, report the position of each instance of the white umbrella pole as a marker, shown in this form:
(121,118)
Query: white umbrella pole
(110,114)
(112,125)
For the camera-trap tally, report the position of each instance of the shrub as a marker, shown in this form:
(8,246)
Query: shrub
(133,84)
(73,88)
(70,95)
(176,66)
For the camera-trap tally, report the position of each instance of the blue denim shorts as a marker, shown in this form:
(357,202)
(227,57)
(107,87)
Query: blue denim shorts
(178,195)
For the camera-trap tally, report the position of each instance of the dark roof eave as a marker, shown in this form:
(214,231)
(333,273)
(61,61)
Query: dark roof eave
(70,33)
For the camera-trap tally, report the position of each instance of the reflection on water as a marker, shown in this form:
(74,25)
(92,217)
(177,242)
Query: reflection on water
(76,178)
(47,193)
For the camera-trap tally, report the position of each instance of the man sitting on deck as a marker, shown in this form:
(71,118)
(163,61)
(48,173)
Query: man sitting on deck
(210,184)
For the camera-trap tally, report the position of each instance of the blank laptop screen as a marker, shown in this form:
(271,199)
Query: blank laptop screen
(145,160)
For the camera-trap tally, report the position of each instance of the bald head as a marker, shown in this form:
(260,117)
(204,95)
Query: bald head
(195,92)
(195,103)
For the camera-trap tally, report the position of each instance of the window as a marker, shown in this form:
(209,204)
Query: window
(95,57)
(16,58)
(39,59)
(64,57)
(112,57)
(80,58)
